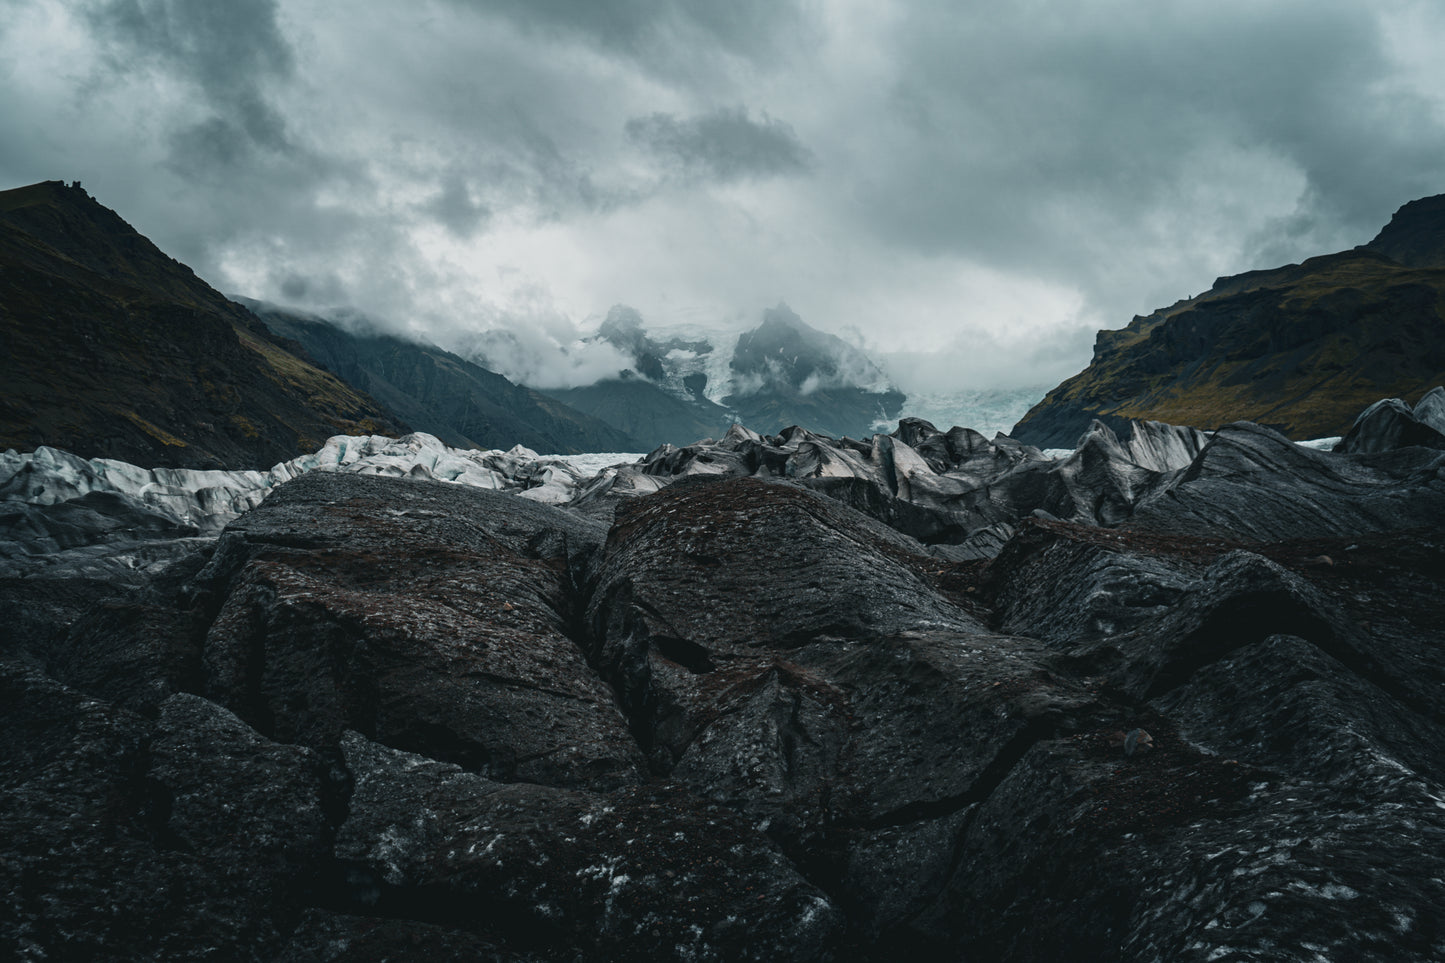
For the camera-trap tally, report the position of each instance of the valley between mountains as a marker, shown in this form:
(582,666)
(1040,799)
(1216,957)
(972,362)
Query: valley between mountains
(1171,694)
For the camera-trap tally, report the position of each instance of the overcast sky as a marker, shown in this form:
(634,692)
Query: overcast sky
(983,185)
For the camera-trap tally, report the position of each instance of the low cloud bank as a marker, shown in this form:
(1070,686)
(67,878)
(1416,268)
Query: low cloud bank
(542,359)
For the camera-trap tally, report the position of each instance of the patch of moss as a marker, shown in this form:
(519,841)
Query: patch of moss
(247,428)
(1302,348)
(159,434)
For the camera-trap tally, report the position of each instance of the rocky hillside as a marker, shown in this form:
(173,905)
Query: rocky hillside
(646,411)
(437,392)
(114,349)
(1300,348)
(775,698)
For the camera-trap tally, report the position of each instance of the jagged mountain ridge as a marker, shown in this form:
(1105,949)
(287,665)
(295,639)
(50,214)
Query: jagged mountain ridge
(686,386)
(114,349)
(788,373)
(437,392)
(1301,348)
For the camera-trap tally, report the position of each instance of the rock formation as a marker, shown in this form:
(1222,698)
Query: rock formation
(1390,423)
(57,508)
(767,697)
(955,489)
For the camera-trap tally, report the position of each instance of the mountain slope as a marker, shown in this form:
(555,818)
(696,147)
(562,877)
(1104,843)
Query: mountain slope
(1301,348)
(461,403)
(113,349)
(644,410)
(788,373)
(667,403)
(687,384)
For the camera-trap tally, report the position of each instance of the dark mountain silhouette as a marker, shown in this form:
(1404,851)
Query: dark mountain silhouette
(1301,348)
(113,349)
(462,403)
(645,411)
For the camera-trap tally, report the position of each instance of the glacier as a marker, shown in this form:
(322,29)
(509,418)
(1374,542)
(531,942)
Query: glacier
(52,501)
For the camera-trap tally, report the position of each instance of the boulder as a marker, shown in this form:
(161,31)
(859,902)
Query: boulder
(640,872)
(99,864)
(1390,423)
(1253,483)
(431,617)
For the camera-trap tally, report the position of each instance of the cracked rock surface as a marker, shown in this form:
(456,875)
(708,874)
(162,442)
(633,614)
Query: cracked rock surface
(743,711)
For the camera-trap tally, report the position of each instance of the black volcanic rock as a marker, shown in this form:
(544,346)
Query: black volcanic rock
(437,392)
(1296,676)
(822,706)
(231,793)
(712,713)
(424,616)
(1390,423)
(90,869)
(636,873)
(113,349)
(1301,348)
(953,489)
(1251,483)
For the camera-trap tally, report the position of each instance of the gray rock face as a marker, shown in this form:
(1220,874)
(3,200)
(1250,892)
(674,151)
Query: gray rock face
(130,839)
(1390,423)
(1251,483)
(233,793)
(1302,688)
(954,489)
(729,705)
(430,617)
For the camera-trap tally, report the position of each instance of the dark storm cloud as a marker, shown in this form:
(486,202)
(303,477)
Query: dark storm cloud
(1071,129)
(455,209)
(726,145)
(230,50)
(661,34)
(215,147)
(967,184)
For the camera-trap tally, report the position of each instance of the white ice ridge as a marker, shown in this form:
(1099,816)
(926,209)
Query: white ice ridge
(208,500)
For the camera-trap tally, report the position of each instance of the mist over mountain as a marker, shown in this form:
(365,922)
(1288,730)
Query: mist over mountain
(786,371)
(555,354)
(684,383)
(464,404)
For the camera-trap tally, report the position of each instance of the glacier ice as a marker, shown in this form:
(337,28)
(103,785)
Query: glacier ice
(43,492)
